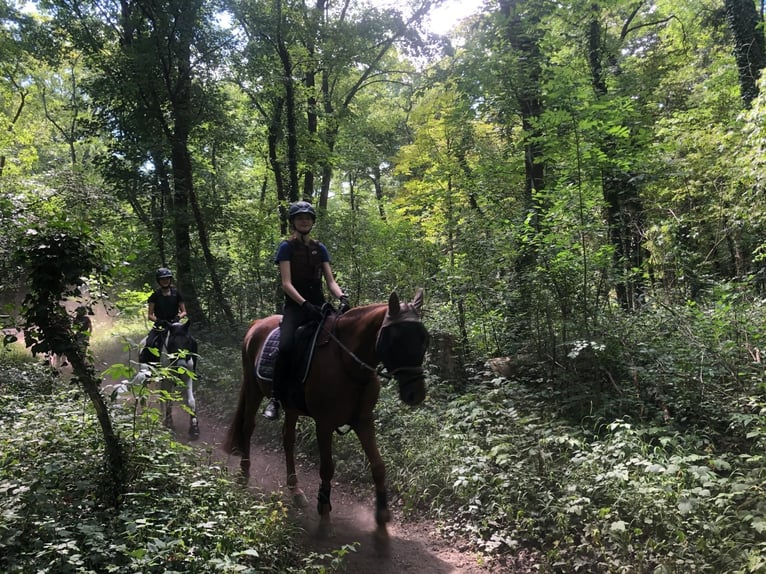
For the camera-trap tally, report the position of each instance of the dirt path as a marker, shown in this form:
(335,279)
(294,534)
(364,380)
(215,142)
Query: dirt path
(413,547)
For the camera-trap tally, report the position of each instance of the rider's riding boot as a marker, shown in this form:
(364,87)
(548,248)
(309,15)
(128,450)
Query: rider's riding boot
(281,367)
(272,409)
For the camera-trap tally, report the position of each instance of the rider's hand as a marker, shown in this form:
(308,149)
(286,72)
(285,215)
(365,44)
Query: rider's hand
(311,310)
(344,304)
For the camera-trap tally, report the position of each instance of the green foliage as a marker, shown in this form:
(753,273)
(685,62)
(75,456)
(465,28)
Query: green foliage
(58,255)
(175,513)
(372,257)
(21,379)
(509,475)
(132,303)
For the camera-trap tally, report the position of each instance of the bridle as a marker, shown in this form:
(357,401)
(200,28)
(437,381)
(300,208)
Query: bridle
(404,374)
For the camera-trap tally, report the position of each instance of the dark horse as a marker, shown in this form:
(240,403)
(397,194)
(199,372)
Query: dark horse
(178,357)
(341,388)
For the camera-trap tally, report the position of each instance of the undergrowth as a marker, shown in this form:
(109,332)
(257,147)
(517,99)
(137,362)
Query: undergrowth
(177,514)
(641,454)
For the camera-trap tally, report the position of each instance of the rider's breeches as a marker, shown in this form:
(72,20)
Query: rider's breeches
(153,341)
(291,320)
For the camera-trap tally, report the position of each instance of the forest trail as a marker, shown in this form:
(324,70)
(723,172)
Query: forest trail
(413,547)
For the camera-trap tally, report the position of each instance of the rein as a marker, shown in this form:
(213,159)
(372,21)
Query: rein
(380,371)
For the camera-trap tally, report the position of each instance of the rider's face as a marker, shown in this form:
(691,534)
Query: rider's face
(303,222)
(165,282)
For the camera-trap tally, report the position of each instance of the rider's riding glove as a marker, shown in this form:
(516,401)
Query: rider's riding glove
(312,310)
(344,304)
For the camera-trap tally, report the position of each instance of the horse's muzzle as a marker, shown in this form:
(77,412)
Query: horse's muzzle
(412,389)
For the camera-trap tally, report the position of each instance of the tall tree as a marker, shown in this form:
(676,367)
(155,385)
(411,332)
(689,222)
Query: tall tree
(338,50)
(624,207)
(152,92)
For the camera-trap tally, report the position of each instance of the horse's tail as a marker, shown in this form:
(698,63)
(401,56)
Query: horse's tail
(238,436)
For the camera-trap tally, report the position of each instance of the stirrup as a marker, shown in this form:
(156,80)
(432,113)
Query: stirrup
(271,411)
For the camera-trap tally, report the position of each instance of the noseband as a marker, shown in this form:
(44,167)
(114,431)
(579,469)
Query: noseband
(415,373)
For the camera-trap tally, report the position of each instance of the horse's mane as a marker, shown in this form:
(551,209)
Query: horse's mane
(360,320)
(356,312)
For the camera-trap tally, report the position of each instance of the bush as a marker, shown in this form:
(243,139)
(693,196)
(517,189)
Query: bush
(496,465)
(177,515)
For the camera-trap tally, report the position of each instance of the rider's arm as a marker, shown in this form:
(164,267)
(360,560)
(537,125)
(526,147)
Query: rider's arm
(151,315)
(181,309)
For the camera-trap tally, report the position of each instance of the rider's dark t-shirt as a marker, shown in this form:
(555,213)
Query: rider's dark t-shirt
(305,268)
(166,306)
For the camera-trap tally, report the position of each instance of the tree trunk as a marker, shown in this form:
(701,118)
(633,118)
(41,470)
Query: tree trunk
(624,212)
(290,113)
(523,35)
(84,372)
(376,181)
(210,259)
(183,186)
(749,49)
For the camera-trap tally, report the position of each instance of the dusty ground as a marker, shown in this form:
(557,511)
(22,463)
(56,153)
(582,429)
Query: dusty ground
(412,547)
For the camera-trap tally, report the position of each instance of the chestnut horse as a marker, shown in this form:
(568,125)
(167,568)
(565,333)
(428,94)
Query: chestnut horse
(341,388)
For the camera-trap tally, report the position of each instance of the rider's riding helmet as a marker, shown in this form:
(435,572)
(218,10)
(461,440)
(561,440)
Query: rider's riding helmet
(164,272)
(301,207)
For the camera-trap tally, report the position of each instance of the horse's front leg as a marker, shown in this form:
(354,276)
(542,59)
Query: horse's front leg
(288,443)
(326,471)
(167,385)
(191,403)
(366,433)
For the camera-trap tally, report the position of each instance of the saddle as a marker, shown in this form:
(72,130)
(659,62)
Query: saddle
(307,338)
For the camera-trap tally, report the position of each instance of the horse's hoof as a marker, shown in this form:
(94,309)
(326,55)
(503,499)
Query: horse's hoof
(194,428)
(324,528)
(382,541)
(244,471)
(299,498)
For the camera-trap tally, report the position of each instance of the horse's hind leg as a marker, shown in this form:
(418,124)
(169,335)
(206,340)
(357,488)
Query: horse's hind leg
(326,472)
(243,424)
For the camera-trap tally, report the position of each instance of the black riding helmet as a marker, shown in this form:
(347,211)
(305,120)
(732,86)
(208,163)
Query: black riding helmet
(301,207)
(163,272)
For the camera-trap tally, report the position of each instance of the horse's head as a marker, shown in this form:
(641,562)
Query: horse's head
(402,344)
(180,344)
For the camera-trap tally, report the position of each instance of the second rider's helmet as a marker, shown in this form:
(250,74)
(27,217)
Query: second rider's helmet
(163,272)
(301,207)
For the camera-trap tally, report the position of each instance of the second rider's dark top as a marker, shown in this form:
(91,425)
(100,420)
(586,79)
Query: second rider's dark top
(166,307)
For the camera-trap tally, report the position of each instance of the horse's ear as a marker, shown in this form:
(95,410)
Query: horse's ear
(417,302)
(187,323)
(393,304)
